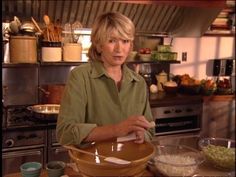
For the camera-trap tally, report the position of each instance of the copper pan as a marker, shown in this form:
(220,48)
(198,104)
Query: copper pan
(52,93)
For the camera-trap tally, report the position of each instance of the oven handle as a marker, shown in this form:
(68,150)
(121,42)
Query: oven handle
(31,136)
(61,149)
(20,154)
(178,131)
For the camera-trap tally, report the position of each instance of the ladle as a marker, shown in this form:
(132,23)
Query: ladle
(108,159)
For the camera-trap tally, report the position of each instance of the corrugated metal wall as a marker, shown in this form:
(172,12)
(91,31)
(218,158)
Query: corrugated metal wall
(146,17)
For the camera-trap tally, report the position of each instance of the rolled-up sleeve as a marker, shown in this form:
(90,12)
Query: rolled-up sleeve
(72,127)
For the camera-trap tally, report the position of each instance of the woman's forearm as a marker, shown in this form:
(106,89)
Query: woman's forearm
(101,133)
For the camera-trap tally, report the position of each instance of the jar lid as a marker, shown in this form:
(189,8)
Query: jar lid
(51,44)
(23,37)
(163,73)
(72,44)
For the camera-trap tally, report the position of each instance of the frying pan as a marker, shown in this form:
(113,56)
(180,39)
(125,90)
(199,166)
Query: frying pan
(46,112)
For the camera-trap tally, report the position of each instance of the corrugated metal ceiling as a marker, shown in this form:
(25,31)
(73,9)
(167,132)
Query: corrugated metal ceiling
(148,18)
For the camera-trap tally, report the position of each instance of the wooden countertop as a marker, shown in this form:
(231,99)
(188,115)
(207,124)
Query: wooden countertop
(219,98)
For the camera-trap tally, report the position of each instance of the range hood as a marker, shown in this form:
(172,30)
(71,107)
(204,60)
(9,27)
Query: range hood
(151,17)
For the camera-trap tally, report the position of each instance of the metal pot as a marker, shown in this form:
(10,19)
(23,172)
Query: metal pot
(47,112)
(51,94)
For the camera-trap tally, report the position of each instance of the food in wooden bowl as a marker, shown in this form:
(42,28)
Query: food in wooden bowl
(137,154)
(170,87)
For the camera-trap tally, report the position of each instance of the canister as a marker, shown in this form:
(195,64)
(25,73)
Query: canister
(23,49)
(161,79)
(72,52)
(51,51)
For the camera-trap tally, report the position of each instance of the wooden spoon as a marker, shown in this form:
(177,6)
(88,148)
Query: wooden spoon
(108,159)
(46,20)
(36,25)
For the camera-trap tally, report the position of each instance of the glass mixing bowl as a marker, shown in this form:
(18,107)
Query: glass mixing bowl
(177,160)
(219,152)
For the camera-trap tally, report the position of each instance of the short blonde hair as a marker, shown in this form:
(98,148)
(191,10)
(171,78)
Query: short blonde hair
(103,27)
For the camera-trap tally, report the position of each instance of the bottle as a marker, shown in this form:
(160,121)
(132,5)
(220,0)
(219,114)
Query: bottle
(161,78)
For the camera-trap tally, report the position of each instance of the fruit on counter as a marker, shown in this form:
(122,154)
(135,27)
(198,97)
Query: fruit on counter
(187,84)
(145,51)
(224,87)
(153,88)
(187,80)
(225,83)
(208,87)
(208,84)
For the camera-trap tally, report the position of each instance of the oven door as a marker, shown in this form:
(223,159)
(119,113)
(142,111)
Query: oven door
(12,160)
(175,125)
(55,150)
(177,119)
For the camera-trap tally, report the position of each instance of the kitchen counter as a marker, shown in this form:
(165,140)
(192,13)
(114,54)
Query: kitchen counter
(204,170)
(162,99)
(68,171)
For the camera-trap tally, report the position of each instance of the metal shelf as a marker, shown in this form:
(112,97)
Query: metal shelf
(9,65)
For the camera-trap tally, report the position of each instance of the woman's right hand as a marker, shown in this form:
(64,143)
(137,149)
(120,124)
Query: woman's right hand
(132,124)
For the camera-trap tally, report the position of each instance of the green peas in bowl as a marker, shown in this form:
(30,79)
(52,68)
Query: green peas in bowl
(219,152)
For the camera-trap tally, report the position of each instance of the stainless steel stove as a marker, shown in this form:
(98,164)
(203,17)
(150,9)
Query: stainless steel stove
(27,138)
(17,116)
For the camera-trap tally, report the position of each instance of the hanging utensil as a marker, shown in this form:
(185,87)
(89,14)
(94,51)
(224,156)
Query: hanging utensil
(36,25)
(76,26)
(67,33)
(58,30)
(114,160)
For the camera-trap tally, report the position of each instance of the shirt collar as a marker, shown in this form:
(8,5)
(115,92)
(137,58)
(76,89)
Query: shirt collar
(98,70)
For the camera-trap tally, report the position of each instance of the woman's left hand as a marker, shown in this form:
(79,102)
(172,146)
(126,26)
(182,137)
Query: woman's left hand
(139,137)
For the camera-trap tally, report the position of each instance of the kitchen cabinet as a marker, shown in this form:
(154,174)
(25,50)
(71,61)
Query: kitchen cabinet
(218,118)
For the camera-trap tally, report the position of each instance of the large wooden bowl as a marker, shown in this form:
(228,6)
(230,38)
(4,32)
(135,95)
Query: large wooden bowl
(138,154)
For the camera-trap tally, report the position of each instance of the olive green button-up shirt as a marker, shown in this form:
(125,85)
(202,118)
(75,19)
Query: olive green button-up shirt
(91,98)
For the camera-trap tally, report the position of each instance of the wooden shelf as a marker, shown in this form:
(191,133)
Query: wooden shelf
(156,62)
(219,34)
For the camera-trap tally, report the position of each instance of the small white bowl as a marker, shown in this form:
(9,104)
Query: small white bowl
(31,169)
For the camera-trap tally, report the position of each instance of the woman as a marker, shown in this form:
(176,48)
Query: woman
(103,98)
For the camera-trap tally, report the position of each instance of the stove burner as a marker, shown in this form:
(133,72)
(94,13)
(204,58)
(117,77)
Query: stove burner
(20,115)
